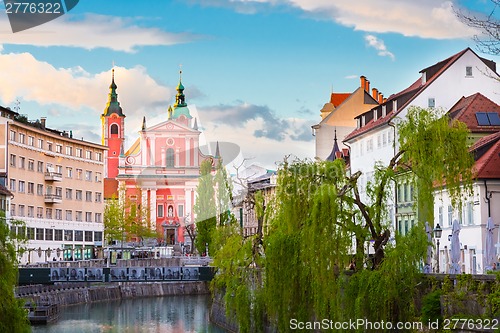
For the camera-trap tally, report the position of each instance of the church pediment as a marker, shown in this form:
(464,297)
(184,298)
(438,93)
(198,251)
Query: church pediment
(170,126)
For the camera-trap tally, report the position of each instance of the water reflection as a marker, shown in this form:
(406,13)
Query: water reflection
(173,314)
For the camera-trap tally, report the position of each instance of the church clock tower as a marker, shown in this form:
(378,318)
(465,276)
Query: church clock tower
(113,129)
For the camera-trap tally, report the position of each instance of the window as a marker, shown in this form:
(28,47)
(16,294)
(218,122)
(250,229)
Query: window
(69,215)
(88,236)
(441,217)
(40,143)
(88,154)
(12,136)
(30,233)
(78,235)
(31,211)
(97,236)
(22,185)
(12,160)
(59,169)
(39,212)
(79,173)
(170,158)
(88,196)
(469,213)
(22,138)
(49,146)
(21,210)
(48,213)
(468,71)
(88,216)
(431,102)
(79,152)
(31,188)
(58,235)
(69,193)
(12,186)
(39,189)
(79,216)
(22,161)
(68,235)
(114,129)
(180,210)
(59,192)
(31,165)
(39,234)
(450,215)
(59,149)
(39,166)
(88,175)
(160,211)
(98,196)
(69,150)
(98,157)
(98,177)
(58,214)
(31,141)
(78,194)
(69,172)
(12,210)
(98,217)
(405,192)
(488,119)
(49,234)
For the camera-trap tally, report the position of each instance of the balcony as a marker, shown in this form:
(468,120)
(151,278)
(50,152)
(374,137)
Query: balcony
(53,198)
(53,176)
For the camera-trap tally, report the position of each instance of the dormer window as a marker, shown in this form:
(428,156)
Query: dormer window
(468,71)
(363,123)
(395,105)
(384,110)
(375,115)
(358,122)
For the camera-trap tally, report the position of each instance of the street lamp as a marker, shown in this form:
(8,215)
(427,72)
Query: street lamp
(437,235)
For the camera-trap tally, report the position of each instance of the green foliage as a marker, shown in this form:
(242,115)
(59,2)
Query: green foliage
(205,208)
(431,307)
(224,198)
(13,317)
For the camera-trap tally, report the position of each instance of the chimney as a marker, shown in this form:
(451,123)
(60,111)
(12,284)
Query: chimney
(362,82)
(380,98)
(42,121)
(375,94)
(367,87)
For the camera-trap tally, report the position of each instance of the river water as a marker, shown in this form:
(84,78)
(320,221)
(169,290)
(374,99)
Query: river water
(169,314)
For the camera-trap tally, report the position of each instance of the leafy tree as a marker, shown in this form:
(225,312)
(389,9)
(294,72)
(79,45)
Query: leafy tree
(13,317)
(224,197)
(205,208)
(319,221)
(488,25)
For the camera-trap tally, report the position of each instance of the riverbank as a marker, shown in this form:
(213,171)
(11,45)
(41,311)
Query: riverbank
(65,295)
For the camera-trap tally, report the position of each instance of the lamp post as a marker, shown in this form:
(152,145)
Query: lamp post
(437,235)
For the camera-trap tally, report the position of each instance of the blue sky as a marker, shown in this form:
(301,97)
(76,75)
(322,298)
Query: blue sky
(257,72)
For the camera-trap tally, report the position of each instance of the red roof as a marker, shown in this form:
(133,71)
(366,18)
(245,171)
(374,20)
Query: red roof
(406,96)
(110,188)
(466,108)
(338,98)
(487,155)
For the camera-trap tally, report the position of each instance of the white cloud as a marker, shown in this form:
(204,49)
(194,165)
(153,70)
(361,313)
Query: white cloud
(92,31)
(378,45)
(434,19)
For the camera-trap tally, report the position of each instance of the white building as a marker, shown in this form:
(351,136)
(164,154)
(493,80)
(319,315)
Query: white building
(440,86)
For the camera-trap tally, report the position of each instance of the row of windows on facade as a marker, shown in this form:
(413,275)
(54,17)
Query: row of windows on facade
(21,164)
(366,146)
(51,213)
(160,212)
(21,188)
(57,234)
(58,147)
(466,216)
(405,193)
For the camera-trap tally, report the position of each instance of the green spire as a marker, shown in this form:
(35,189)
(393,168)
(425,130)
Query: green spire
(180,99)
(113,106)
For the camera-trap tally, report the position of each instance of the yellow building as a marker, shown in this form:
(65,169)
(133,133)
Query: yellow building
(57,187)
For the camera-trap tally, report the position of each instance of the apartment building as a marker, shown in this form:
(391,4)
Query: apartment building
(57,186)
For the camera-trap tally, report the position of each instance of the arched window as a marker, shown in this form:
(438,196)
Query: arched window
(114,129)
(170,158)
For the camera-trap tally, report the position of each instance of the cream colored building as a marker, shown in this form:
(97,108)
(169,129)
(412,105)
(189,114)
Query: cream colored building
(57,187)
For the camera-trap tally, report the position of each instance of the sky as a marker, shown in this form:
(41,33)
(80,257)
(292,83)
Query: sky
(256,73)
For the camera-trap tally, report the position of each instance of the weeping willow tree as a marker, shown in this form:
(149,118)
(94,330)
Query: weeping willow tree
(319,222)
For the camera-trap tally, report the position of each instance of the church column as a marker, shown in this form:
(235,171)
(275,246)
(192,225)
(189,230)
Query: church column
(144,200)
(188,152)
(152,196)
(177,156)
(152,161)
(163,157)
(144,151)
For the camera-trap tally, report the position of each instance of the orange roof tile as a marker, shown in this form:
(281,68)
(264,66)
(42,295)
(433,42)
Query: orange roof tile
(338,98)
(466,108)
(487,154)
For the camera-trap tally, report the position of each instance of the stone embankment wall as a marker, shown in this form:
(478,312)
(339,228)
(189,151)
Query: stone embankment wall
(83,293)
